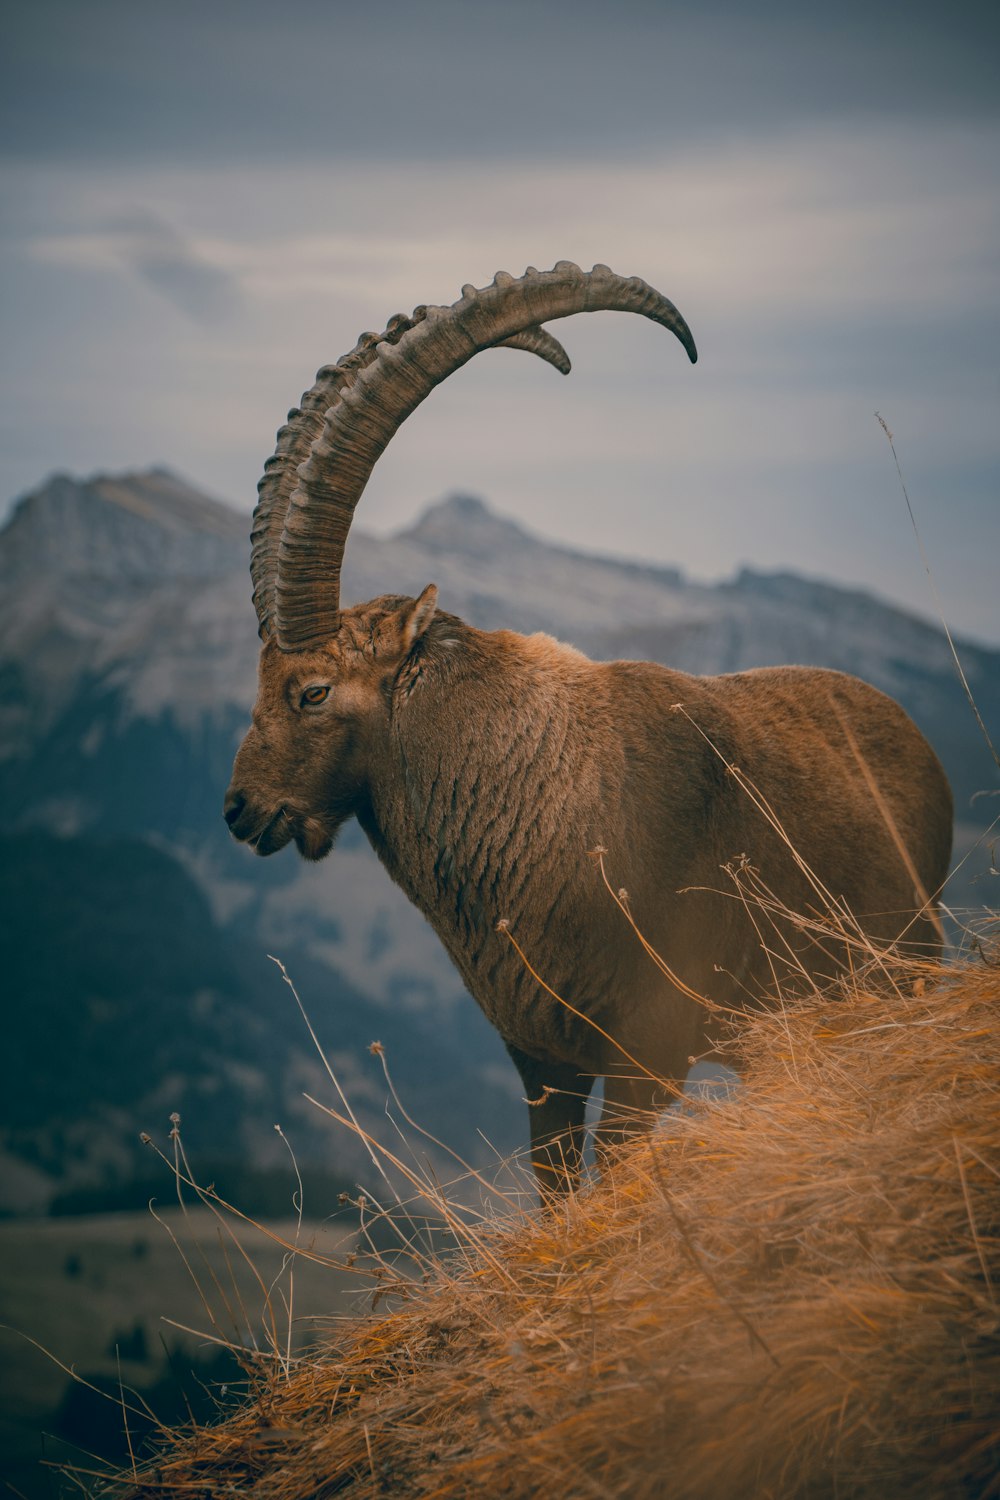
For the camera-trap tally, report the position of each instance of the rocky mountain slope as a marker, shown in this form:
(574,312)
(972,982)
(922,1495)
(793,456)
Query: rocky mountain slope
(127,665)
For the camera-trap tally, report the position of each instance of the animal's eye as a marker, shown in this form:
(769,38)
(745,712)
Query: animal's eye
(318,693)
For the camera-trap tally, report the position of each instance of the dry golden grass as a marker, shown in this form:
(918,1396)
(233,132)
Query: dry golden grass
(790,1292)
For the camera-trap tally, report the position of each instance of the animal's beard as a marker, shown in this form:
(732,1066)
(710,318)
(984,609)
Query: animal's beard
(314,839)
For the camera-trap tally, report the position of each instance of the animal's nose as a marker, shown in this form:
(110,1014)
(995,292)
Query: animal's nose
(233,806)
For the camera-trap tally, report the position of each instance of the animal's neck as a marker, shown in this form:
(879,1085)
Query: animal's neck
(484,758)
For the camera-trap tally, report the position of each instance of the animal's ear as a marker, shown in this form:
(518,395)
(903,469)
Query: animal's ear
(419,616)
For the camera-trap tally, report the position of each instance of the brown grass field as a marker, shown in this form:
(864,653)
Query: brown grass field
(791,1291)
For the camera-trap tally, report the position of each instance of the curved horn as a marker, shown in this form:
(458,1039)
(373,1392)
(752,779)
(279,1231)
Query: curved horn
(303,427)
(382,395)
(539,341)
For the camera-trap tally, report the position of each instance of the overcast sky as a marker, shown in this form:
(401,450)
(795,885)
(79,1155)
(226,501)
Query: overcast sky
(204,202)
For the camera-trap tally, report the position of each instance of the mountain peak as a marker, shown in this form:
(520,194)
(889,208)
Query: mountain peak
(465,507)
(466,526)
(151,520)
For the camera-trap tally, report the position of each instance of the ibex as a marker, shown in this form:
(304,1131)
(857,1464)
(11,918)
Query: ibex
(483,766)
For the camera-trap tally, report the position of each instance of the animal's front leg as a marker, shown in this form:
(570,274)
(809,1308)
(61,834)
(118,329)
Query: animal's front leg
(557,1095)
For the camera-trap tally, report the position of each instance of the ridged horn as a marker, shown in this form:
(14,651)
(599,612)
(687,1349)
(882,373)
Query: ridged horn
(539,341)
(303,427)
(391,385)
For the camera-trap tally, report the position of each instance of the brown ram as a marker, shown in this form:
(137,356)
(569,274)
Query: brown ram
(483,766)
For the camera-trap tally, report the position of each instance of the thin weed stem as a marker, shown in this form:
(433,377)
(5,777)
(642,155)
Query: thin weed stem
(934,591)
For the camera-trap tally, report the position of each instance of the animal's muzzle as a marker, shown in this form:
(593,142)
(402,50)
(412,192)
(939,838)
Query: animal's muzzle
(232,807)
(266,831)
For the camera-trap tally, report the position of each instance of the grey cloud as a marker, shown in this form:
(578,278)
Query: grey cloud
(169,263)
(314,81)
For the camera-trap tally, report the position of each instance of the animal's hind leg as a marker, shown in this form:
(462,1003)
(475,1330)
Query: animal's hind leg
(630,1107)
(557,1095)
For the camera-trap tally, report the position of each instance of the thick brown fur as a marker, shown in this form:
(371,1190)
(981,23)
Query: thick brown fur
(484,766)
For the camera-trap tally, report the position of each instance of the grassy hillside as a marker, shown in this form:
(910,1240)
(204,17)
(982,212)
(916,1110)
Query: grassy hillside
(795,1291)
